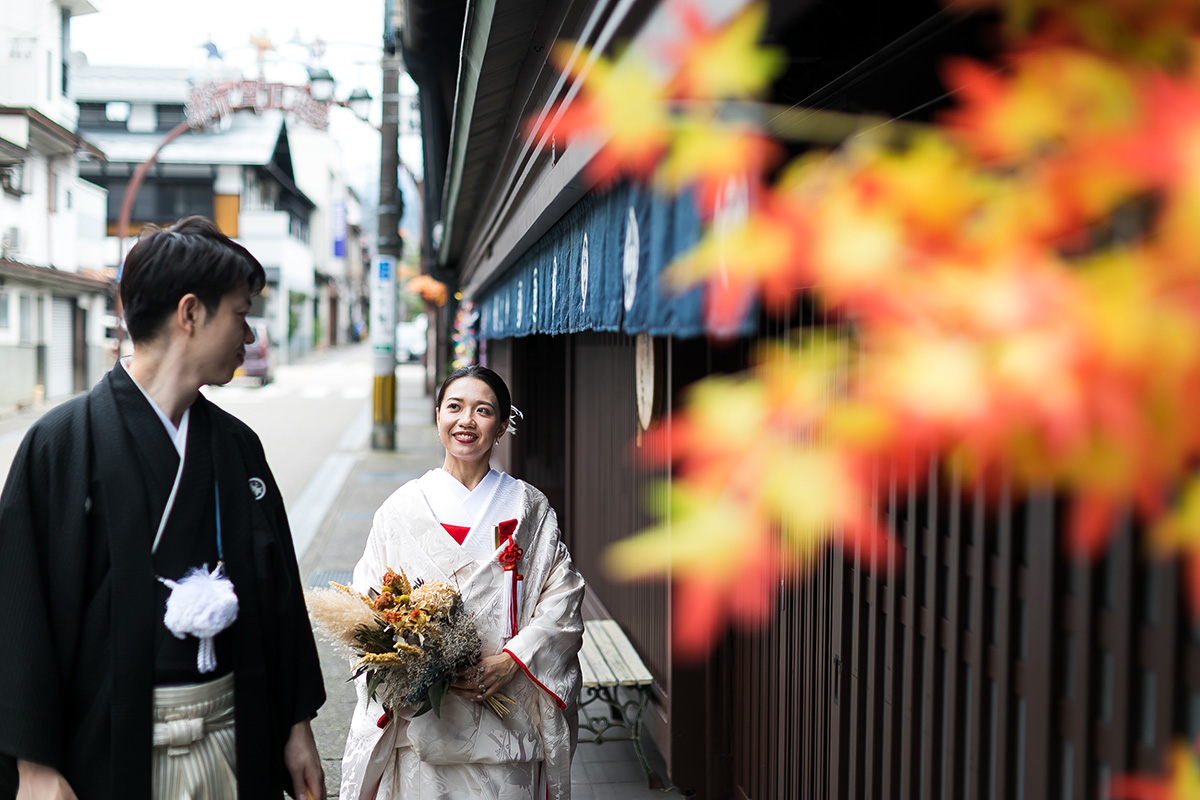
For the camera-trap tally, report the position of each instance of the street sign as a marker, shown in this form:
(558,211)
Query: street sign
(383,305)
(383,343)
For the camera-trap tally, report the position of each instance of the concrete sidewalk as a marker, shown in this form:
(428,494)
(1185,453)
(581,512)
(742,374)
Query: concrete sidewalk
(599,772)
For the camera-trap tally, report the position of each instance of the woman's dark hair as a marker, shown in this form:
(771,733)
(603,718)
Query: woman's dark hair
(494,382)
(190,257)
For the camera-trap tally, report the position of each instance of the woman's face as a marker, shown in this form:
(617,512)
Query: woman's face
(468,421)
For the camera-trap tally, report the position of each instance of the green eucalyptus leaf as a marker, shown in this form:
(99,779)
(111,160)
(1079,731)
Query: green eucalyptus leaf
(425,707)
(373,681)
(437,694)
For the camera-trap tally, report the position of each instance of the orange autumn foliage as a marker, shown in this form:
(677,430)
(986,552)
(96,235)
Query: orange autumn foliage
(1021,279)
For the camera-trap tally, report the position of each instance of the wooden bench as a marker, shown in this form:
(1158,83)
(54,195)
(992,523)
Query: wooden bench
(610,664)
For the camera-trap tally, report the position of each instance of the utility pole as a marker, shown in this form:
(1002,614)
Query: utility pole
(387,263)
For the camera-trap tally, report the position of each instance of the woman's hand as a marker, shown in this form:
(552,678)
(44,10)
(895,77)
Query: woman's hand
(39,782)
(483,680)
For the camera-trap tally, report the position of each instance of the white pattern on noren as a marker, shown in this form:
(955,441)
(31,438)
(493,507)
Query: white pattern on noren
(583,274)
(632,259)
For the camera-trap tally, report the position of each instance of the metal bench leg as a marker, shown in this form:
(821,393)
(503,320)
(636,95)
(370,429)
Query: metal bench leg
(653,780)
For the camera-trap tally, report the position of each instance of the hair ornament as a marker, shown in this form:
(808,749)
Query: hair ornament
(514,416)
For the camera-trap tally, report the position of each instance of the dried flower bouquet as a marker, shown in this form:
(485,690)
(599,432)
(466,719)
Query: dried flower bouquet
(410,639)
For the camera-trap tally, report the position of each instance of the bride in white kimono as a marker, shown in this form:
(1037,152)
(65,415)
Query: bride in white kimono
(497,540)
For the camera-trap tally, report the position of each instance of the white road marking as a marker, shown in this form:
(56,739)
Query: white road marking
(306,514)
(314,392)
(358,432)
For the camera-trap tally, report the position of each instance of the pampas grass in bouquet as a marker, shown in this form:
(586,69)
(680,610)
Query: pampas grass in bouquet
(410,640)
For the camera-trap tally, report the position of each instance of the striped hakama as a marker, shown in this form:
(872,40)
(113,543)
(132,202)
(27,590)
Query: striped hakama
(194,745)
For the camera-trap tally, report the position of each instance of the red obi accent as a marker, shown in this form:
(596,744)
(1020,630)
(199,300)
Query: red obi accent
(385,719)
(507,528)
(459,532)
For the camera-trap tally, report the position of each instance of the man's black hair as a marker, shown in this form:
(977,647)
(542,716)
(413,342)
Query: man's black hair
(494,382)
(190,257)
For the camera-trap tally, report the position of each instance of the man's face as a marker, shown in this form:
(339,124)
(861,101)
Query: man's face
(220,342)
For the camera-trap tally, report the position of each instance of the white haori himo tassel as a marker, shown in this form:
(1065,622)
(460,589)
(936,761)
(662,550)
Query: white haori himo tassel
(512,602)
(201,604)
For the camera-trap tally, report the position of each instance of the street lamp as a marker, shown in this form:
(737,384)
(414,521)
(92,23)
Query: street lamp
(359,103)
(320,84)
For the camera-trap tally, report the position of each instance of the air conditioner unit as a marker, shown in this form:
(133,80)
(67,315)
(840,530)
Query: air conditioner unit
(12,178)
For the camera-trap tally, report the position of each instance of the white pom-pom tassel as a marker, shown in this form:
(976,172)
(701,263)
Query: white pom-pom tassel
(201,604)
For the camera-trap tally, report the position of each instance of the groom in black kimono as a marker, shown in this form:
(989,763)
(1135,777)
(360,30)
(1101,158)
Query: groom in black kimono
(81,609)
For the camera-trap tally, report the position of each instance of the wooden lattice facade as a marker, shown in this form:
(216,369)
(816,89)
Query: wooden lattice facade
(980,662)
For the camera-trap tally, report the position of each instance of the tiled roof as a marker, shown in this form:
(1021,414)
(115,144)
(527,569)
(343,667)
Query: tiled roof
(250,139)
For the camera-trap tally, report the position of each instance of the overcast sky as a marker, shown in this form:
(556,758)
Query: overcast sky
(170,34)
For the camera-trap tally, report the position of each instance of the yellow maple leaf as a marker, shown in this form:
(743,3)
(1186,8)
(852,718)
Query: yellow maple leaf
(1181,783)
(621,102)
(707,534)
(707,154)
(725,61)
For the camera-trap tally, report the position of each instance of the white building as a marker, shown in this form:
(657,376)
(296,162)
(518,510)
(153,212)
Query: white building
(53,291)
(240,173)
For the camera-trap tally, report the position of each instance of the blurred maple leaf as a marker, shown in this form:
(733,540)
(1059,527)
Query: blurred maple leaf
(1181,783)
(707,155)
(1153,32)
(723,60)
(620,102)
(1177,534)
(739,496)
(1045,97)
(1022,280)
(718,554)
(430,289)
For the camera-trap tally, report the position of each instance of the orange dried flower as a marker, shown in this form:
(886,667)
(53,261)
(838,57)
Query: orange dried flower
(385,600)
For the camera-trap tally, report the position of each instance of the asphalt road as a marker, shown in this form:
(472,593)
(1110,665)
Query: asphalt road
(312,420)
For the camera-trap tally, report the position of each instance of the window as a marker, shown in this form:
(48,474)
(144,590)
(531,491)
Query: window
(66,47)
(168,115)
(3,308)
(162,202)
(25,320)
(104,116)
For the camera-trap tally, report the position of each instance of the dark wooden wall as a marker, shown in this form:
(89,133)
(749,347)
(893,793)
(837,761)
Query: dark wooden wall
(981,663)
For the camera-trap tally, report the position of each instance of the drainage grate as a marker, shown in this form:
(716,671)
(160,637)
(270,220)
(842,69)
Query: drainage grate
(322,577)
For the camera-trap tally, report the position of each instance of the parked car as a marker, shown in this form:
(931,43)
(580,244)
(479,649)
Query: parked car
(258,363)
(411,338)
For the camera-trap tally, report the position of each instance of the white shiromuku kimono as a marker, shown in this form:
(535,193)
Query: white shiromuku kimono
(469,751)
